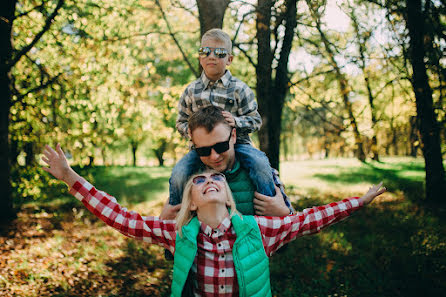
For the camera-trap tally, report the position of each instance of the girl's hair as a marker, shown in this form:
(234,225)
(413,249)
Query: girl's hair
(219,35)
(185,214)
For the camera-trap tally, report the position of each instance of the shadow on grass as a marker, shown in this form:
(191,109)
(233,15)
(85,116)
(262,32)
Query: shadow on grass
(138,273)
(371,172)
(392,249)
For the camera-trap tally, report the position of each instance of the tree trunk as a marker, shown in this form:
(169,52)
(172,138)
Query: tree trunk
(7,11)
(134,149)
(271,93)
(427,121)
(211,14)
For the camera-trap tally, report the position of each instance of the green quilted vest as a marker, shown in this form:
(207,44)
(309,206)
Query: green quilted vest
(250,261)
(242,189)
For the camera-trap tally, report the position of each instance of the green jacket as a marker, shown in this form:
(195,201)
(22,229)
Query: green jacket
(250,260)
(242,189)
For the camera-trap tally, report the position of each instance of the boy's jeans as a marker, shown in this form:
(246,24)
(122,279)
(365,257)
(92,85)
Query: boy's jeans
(254,160)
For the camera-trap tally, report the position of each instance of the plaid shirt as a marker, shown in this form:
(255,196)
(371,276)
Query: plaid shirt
(229,93)
(213,266)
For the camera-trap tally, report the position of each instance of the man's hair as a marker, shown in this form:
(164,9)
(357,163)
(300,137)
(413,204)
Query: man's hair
(207,118)
(218,35)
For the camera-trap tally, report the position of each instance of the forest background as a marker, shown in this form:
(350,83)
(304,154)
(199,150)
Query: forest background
(334,79)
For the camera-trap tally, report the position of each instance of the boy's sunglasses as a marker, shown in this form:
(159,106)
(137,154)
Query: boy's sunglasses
(219,147)
(203,178)
(219,52)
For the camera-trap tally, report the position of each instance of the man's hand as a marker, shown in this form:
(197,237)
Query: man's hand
(169,212)
(372,193)
(270,206)
(229,118)
(58,165)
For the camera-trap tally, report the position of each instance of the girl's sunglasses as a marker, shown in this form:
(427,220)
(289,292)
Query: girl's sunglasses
(202,178)
(219,52)
(219,147)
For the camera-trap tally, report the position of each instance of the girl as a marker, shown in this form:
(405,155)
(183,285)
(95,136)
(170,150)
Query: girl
(221,252)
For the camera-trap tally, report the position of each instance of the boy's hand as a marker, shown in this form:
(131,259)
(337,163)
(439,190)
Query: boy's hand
(58,164)
(229,118)
(372,193)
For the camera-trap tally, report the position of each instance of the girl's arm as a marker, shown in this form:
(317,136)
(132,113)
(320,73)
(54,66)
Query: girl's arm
(105,207)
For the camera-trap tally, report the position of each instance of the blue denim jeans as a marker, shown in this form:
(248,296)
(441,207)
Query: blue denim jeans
(252,159)
(257,164)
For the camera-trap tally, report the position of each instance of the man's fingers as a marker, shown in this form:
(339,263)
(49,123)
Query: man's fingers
(177,207)
(258,202)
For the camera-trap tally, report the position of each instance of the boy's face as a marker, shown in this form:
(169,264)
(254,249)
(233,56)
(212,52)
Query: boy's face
(214,67)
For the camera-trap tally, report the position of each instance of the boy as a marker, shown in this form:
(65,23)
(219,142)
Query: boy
(218,87)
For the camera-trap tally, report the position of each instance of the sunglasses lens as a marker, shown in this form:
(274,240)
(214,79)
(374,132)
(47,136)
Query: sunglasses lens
(203,151)
(220,53)
(204,51)
(218,177)
(221,147)
(199,179)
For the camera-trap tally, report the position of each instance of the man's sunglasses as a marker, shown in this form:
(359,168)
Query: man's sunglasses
(202,178)
(219,52)
(219,147)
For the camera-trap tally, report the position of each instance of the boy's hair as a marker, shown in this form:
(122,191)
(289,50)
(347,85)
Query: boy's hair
(219,35)
(207,118)
(185,214)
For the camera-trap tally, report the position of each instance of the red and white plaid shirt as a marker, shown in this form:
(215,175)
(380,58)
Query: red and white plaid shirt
(213,266)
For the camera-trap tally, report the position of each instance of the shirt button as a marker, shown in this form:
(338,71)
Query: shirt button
(222,287)
(219,245)
(222,270)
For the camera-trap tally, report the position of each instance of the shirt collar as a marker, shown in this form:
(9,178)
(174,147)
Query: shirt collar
(225,79)
(220,230)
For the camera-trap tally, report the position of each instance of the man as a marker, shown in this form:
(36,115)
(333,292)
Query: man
(213,139)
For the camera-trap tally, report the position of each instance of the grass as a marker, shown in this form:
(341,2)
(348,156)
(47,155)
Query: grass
(394,247)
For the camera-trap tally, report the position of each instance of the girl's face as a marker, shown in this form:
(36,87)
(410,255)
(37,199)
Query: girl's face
(208,188)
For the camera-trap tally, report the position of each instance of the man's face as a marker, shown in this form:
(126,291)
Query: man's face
(218,161)
(214,67)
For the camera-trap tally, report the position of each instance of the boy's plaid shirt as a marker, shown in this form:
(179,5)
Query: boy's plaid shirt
(229,93)
(213,266)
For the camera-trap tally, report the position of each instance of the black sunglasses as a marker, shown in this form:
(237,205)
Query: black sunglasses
(219,147)
(219,52)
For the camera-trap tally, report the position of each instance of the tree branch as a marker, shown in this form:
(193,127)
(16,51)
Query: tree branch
(194,71)
(18,54)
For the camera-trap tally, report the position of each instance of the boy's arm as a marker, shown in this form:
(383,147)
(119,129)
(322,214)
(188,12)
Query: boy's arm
(105,207)
(184,112)
(248,119)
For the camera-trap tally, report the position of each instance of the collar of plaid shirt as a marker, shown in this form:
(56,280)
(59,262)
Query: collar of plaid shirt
(225,79)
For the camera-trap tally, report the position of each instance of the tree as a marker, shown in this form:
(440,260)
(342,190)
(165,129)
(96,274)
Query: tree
(344,87)
(427,120)
(273,87)
(8,58)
